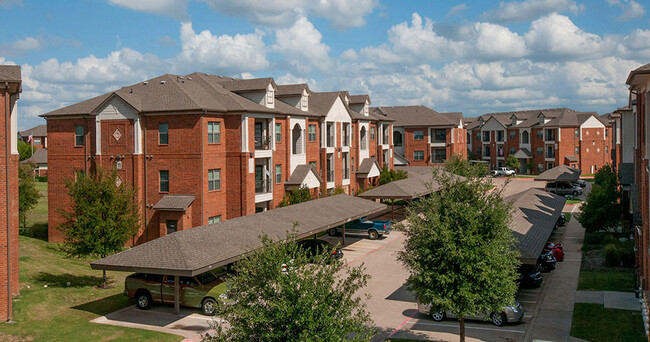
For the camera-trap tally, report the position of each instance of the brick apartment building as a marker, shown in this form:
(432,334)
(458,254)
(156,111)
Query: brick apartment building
(422,136)
(38,136)
(10,89)
(541,139)
(202,148)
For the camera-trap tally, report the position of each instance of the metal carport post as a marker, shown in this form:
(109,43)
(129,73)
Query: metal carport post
(177,300)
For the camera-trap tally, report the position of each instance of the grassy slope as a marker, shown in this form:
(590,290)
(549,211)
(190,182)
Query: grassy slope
(59,312)
(593,322)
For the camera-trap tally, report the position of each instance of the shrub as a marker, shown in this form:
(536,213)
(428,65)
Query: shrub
(619,253)
(42,179)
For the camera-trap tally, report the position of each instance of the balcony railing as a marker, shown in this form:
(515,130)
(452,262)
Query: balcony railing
(346,173)
(263,186)
(330,176)
(550,155)
(262,142)
(550,136)
(346,140)
(330,141)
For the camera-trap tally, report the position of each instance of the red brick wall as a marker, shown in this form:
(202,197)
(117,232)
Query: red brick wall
(411,145)
(641,175)
(592,151)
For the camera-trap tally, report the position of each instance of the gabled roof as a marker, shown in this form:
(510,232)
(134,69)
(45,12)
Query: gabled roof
(572,159)
(559,173)
(10,73)
(174,203)
(366,166)
(321,102)
(39,157)
(292,89)
(523,153)
(359,98)
(37,131)
(642,70)
(399,159)
(252,84)
(419,116)
(300,173)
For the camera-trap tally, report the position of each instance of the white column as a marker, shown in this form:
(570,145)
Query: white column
(137,136)
(244,133)
(14,124)
(98,135)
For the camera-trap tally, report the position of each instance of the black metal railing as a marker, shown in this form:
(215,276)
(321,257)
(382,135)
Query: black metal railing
(330,176)
(263,186)
(262,142)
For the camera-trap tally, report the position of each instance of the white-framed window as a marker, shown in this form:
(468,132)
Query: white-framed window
(214,179)
(418,135)
(214,219)
(79,135)
(278,173)
(214,132)
(163,176)
(418,155)
(163,133)
(269,97)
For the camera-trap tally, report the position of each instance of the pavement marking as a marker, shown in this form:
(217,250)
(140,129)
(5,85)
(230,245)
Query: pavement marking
(372,251)
(401,325)
(470,327)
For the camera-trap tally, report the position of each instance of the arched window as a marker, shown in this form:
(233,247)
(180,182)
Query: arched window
(524,137)
(397,138)
(296,143)
(362,138)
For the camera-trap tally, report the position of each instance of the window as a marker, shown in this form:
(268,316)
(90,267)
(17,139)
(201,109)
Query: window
(37,141)
(513,134)
(487,151)
(372,132)
(500,135)
(352,164)
(164,180)
(540,134)
(605,132)
(540,151)
(214,132)
(438,135)
(524,137)
(418,155)
(214,219)
(550,151)
(549,166)
(478,136)
(163,133)
(606,149)
(397,138)
(312,132)
(576,132)
(362,138)
(214,179)
(486,136)
(439,155)
(278,132)
(297,139)
(329,131)
(540,167)
(576,151)
(345,134)
(478,150)
(269,97)
(418,135)
(79,135)
(512,150)
(278,173)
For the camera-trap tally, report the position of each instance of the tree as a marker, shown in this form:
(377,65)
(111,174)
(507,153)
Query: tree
(462,167)
(530,167)
(103,216)
(602,210)
(512,162)
(312,299)
(27,194)
(24,150)
(387,176)
(296,196)
(459,249)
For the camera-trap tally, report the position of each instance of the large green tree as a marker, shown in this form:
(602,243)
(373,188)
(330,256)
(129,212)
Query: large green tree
(602,210)
(24,150)
(281,293)
(458,165)
(459,249)
(27,194)
(102,218)
(512,162)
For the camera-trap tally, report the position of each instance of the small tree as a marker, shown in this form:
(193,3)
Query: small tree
(296,196)
(459,249)
(387,176)
(530,166)
(462,167)
(24,150)
(512,162)
(102,218)
(312,299)
(602,210)
(28,196)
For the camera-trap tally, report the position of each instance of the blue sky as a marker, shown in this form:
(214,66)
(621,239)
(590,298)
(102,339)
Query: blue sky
(475,57)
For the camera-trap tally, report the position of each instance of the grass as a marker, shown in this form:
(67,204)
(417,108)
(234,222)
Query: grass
(606,280)
(568,217)
(60,312)
(573,201)
(594,323)
(37,217)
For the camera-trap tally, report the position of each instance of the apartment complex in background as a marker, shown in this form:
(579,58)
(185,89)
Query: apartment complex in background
(35,136)
(10,89)
(422,136)
(203,148)
(541,139)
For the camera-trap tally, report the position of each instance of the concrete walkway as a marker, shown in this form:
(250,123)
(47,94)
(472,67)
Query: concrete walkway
(610,299)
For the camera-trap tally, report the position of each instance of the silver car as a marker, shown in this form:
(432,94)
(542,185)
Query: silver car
(510,314)
(563,188)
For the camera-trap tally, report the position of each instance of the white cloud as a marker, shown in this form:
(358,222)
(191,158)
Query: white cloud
(349,55)
(497,41)
(302,45)
(631,9)
(172,8)
(516,11)
(289,78)
(456,10)
(21,46)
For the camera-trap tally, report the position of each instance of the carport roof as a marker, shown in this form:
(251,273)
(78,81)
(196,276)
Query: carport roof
(533,220)
(420,182)
(559,173)
(197,250)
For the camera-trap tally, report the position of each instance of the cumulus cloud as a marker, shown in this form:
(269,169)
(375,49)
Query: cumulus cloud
(302,45)
(631,9)
(20,47)
(517,11)
(496,41)
(172,8)
(456,10)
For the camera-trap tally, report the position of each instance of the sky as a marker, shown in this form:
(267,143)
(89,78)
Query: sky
(475,57)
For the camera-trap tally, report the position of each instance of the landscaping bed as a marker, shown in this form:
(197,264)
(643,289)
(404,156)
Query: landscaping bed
(607,263)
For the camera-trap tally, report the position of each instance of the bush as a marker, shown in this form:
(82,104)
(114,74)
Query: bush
(42,179)
(619,253)
(386,176)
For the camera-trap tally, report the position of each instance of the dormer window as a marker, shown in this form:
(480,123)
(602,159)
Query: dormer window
(303,102)
(269,97)
(347,100)
(365,110)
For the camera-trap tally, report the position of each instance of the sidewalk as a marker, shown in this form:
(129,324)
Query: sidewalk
(610,299)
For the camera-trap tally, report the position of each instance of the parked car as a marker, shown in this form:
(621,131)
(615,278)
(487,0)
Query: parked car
(510,314)
(373,228)
(546,261)
(529,277)
(317,246)
(503,171)
(581,183)
(556,249)
(561,221)
(201,291)
(563,188)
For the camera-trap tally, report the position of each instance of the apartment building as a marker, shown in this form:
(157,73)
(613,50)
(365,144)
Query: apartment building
(203,148)
(541,139)
(10,89)
(35,136)
(423,136)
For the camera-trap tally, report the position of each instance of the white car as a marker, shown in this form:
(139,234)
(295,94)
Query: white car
(503,171)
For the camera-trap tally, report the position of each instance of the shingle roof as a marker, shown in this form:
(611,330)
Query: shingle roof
(321,102)
(644,69)
(39,157)
(300,173)
(38,131)
(366,166)
(559,173)
(419,116)
(533,220)
(174,203)
(196,250)
(10,73)
(291,89)
(420,182)
(252,84)
(359,98)
(571,158)
(523,153)
(399,159)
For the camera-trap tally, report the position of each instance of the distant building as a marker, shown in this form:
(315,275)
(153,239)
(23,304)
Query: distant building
(39,161)
(36,136)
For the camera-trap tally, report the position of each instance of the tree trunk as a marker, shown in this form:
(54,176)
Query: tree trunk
(462,329)
(104,279)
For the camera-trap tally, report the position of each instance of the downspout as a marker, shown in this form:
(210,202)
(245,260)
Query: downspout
(86,145)
(202,172)
(144,148)
(8,164)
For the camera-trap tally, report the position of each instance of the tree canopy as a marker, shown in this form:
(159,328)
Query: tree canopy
(458,165)
(296,196)
(387,176)
(24,150)
(282,293)
(602,210)
(27,194)
(512,162)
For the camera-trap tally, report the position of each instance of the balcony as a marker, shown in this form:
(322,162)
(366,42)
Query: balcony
(550,155)
(263,186)
(346,173)
(549,136)
(330,141)
(262,142)
(330,176)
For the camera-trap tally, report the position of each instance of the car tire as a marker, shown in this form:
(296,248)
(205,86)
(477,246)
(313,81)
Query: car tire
(373,235)
(438,316)
(208,306)
(539,267)
(143,300)
(332,232)
(499,319)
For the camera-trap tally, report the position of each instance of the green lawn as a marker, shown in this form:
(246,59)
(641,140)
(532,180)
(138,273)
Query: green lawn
(592,322)
(574,201)
(568,217)
(37,217)
(606,280)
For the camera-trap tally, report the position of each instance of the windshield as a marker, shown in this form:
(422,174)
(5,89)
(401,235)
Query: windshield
(206,278)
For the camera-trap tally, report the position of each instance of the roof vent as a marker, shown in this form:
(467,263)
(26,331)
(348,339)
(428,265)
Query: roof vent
(145,82)
(189,78)
(162,82)
(131,91)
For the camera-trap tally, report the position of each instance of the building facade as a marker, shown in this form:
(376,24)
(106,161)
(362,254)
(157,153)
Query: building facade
(423,136)
(541,139)
(203,148)
(35,136)
(10,89)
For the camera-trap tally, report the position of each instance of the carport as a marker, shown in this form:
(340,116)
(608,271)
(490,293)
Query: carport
(533,219)
(561,173)
(201,249)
